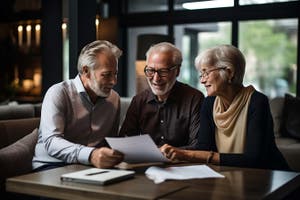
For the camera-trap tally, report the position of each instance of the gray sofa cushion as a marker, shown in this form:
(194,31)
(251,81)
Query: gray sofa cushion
(291,154)
(290,126)
(16,158)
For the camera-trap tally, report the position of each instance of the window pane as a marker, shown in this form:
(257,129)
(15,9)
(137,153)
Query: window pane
(196,5)
(135,6)
(249,2)
(193,39)
(270,49)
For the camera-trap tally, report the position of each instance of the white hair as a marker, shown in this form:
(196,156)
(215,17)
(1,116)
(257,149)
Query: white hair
(166,47)
(224,56)
(88,53)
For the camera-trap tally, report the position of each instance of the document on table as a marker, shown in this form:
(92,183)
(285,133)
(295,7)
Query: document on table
(158,174)
(137,149)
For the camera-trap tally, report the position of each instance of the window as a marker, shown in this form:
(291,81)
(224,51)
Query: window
(249,2)
(137,6)
(192,39)
(196,5)
(270,49)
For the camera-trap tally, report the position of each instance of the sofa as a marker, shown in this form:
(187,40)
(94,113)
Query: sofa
(18,136)
(286,117)
(17,142)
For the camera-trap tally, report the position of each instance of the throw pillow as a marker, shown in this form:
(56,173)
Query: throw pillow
(291,117)
(16,158)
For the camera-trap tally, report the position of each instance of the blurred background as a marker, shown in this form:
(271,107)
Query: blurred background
(40,40)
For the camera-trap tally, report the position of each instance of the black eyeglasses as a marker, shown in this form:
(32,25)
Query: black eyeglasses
(206,73)
(150,72)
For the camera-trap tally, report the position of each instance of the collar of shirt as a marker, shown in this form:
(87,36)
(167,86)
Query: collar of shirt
(80,88)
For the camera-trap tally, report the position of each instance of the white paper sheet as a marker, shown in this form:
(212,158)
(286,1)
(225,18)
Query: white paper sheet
(137,149)
(158,174)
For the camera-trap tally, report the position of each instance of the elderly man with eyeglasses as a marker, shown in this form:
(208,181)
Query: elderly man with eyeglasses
(169,111)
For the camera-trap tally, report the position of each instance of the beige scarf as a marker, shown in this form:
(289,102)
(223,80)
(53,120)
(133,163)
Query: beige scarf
(231,124)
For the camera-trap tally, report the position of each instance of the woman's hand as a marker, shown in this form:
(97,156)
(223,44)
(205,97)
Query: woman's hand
(176,154)
(173,153)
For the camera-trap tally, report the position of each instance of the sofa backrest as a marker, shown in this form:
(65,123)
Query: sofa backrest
(14,129)
(20,111)
(276,106)
(125,102)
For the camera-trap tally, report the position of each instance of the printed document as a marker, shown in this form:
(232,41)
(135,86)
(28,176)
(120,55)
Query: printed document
(137,149)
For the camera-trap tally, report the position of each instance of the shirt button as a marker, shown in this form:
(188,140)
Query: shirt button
(162,137)
(161,121)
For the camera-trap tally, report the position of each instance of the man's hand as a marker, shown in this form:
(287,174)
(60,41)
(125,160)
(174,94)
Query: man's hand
(105,157)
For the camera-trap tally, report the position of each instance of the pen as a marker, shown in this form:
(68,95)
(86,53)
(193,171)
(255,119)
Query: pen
(95,173)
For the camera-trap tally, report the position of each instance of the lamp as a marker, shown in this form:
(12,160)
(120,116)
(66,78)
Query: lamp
(144,42)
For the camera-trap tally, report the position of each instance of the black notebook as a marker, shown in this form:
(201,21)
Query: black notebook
(98,176)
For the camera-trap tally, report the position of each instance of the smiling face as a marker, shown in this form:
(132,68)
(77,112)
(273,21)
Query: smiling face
(161,86)
(104,77)
(214,84)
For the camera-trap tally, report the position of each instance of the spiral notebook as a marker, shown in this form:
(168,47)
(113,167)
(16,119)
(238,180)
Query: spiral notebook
(98,176)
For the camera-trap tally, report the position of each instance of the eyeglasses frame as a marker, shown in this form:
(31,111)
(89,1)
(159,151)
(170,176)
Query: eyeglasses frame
(160,70)
(206,73)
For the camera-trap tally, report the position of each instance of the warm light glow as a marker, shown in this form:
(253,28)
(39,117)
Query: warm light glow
(37,79)
(37,27)
(16,76)
(37,34)
(28,35)
(64,31)
(207,4)
(28,28)
(141,81)
(20,28)
(64,26)
(20,35)
(27,84)
(97,21)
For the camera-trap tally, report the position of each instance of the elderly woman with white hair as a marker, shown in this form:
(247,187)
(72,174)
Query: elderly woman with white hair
(236,126)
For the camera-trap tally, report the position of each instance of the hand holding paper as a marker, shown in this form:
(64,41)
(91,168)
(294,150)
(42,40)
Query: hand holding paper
(137,149)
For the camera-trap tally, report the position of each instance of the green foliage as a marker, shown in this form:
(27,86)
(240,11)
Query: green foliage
(273,50)
(270,49)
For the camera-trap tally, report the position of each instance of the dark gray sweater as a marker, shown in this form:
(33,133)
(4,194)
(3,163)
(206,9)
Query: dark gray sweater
(260,148)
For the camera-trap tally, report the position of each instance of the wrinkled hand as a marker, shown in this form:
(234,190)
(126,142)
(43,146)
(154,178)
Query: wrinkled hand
(173,153)
(105,157)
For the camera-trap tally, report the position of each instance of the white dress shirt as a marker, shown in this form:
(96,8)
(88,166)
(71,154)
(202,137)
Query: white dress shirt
(72,126)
